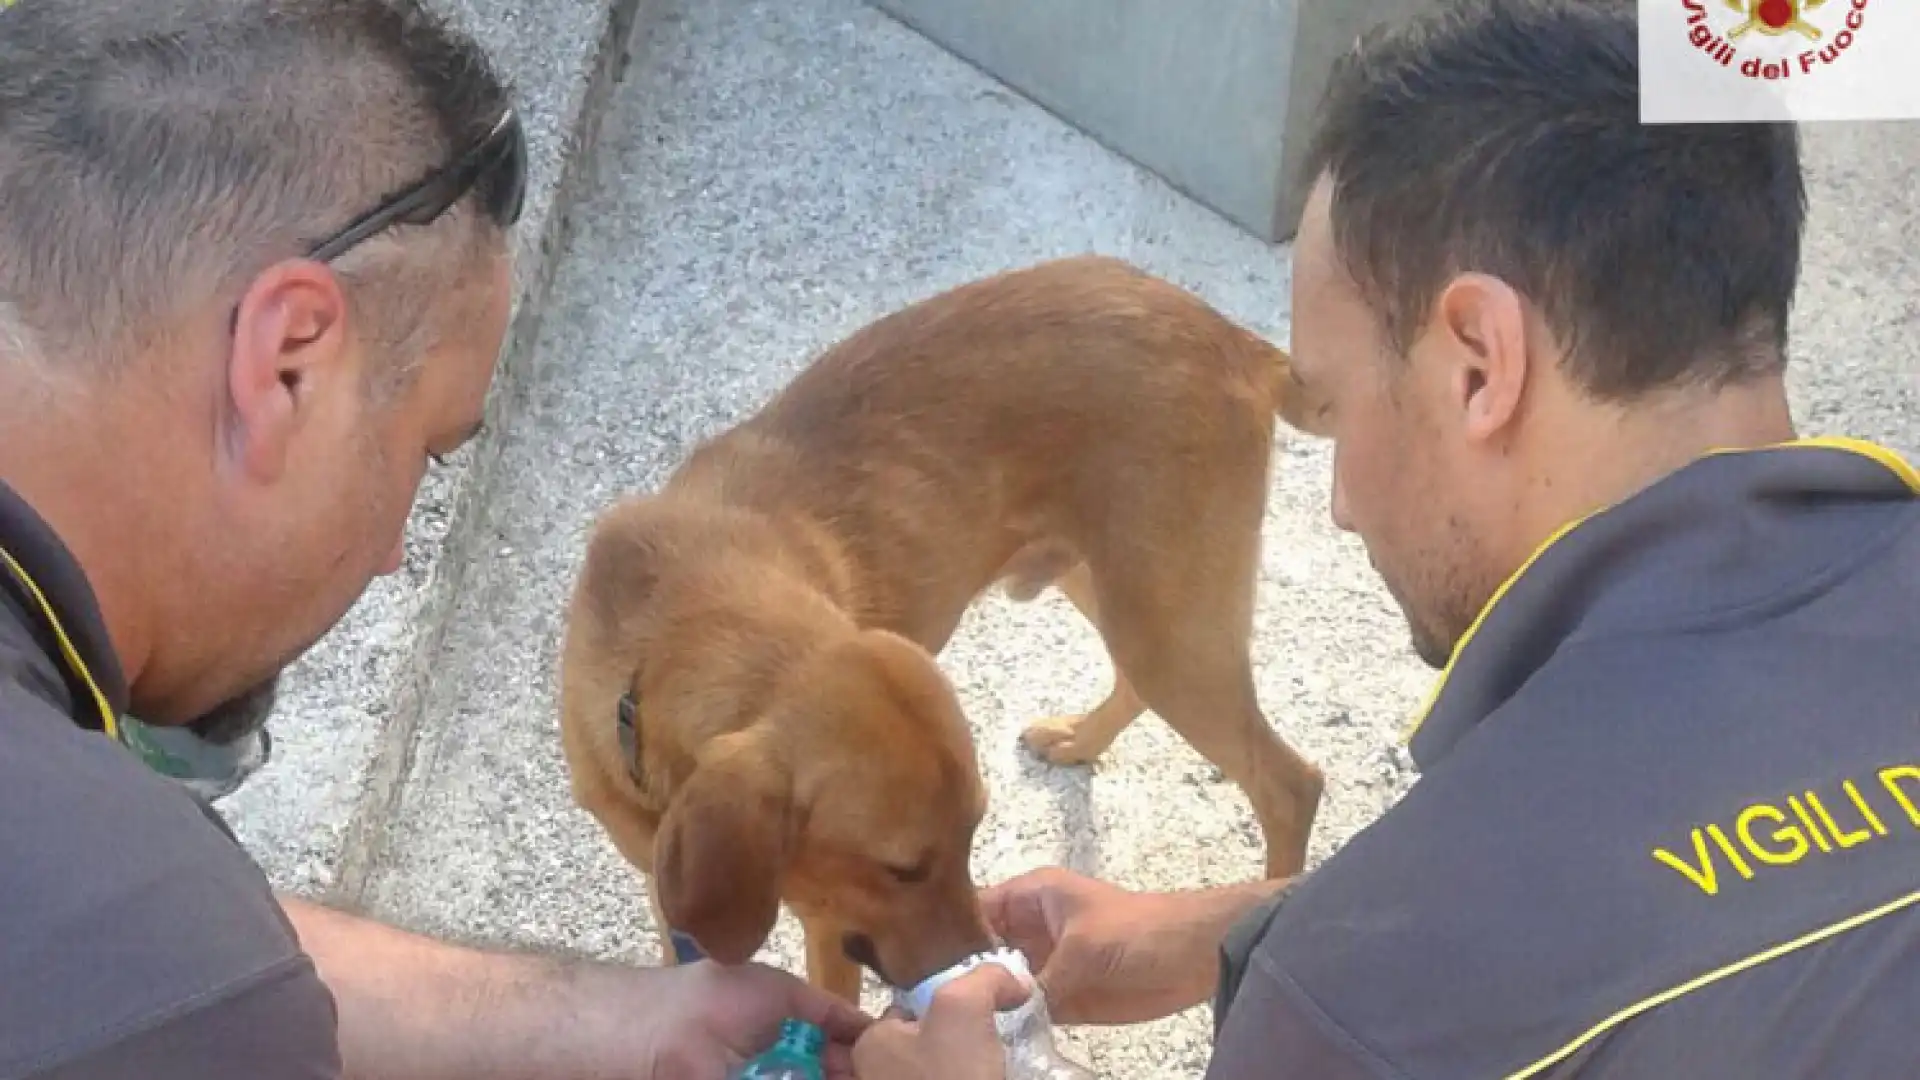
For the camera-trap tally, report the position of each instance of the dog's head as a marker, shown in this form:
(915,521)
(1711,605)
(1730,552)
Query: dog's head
(855,798)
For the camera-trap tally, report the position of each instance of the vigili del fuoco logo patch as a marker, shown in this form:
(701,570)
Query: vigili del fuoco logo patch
(1775,39)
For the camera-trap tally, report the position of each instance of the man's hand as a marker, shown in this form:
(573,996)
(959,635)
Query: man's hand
(716,1018)
(412,1008)
(956,1040)
(1104,955)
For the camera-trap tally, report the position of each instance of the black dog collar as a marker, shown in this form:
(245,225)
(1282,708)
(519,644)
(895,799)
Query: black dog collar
(685,949)
(629,728)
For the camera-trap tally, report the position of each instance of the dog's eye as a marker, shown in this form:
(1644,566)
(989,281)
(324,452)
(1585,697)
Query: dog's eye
(911,875)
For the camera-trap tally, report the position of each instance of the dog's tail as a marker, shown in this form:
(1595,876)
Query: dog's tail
(1289,397)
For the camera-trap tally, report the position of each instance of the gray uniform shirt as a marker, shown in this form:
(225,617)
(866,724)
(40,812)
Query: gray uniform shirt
(1668,823)
(138,941)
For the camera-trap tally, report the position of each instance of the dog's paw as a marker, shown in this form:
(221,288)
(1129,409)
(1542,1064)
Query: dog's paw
(1060,740)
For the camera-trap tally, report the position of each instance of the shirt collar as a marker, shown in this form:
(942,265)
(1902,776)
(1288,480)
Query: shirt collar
(1731,528)
(60,604)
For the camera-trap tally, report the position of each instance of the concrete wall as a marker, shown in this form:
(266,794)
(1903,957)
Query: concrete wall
(1219,104)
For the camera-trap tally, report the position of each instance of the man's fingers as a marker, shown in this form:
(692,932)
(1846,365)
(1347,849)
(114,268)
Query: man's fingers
(976,996)
(884,1049)
(1016,910)
(996,904)
(1046,980)
(1008,991)
(840,1062)
(956,1038)
(842,1022)
(1024,888)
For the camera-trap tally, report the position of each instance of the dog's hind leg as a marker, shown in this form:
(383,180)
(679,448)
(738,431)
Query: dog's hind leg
(1175,593)
(1190,665)
(1078,740)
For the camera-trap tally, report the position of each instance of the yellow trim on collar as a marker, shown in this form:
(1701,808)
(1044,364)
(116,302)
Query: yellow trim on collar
(1889,459)
(1881,455)
(109,721)
(1440,683)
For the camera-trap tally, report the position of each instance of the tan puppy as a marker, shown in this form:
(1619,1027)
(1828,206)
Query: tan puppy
(772,615)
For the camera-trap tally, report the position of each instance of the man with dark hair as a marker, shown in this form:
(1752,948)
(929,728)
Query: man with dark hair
(254,275)
(1668,823)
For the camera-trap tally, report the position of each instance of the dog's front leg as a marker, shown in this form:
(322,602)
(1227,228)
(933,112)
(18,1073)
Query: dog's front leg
(827,965)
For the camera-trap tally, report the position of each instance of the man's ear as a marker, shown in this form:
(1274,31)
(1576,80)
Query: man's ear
(289,338)
(1481,322)
(722,848)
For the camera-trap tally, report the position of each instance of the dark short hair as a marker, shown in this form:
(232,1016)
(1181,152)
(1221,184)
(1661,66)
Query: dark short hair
(1504,137)
(156,154)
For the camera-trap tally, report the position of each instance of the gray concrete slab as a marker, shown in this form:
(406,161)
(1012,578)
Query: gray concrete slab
(781,173)
(349,704)
(1217,99)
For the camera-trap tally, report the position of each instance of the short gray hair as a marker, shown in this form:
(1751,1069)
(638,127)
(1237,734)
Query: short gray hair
(156,154)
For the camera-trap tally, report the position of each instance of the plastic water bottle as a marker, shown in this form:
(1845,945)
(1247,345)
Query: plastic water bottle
(796,1056)
(1026,1030)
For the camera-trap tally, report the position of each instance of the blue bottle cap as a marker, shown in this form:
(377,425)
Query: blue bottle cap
(801,1037)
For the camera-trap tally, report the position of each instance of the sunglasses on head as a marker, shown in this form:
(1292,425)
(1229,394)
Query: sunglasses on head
(497,165)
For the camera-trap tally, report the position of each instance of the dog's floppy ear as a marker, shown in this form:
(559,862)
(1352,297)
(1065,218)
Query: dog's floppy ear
(621,568)
(723,846)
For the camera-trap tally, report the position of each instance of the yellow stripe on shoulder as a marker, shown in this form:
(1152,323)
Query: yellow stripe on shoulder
(1754,961)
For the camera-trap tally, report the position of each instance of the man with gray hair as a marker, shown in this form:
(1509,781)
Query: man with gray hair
(254,277)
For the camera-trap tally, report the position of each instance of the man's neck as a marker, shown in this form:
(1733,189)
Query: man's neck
(69,479)
(1598,457)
